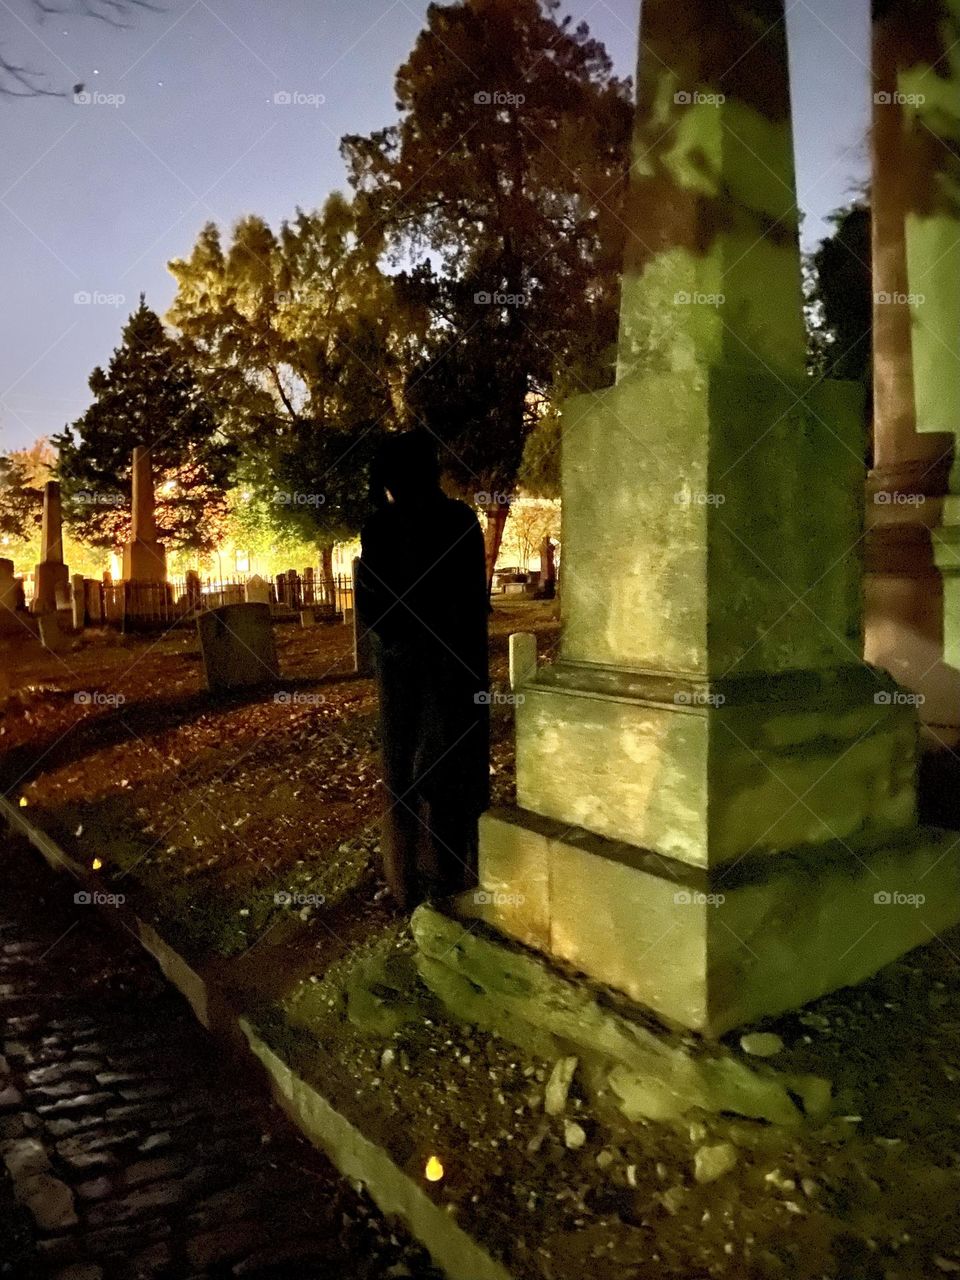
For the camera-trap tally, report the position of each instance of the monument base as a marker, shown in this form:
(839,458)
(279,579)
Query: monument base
(51,587)
(713,950)
(144,561)
(709,772)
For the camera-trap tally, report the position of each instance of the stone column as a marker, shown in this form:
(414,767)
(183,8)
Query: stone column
(912,519)
(713,785)
(51,578)
(144,558)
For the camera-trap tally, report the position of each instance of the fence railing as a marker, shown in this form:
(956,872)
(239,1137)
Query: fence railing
(154,605)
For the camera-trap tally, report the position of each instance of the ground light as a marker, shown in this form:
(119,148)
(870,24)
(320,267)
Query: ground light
(434,1169)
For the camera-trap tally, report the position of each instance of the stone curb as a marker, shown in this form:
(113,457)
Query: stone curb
(357,1158)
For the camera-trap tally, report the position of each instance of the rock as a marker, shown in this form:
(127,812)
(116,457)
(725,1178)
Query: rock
(574,1135)
(810,1188)
(673,1199)
(761,1044)
(80,1271)
(605,1158)
(49,1201)
(711,1163)
(946,1264)
(25,1157)
(558,1086)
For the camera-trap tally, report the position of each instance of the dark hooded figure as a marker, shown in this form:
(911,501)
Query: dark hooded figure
(422,593)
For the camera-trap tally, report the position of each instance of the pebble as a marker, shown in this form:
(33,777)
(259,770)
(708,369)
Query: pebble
(558,1086)
(574,1135)
(761,1044)
(711,1163)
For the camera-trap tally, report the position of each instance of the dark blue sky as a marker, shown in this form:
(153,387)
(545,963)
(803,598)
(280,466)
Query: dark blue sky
(95,198)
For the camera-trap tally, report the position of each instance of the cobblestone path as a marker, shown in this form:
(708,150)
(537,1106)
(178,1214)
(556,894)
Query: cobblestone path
(131,1146)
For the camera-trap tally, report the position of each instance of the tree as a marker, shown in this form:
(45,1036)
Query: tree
(23,473)
(146,396)
(839,300)
(18,80)
(506,170)
(302,343)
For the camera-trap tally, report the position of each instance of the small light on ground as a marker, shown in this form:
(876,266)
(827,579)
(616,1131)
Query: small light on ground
(434,1169)
(23,802)
(96,864)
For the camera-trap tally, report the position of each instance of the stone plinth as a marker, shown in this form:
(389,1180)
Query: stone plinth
(362,647)
(237,645)
(728,783)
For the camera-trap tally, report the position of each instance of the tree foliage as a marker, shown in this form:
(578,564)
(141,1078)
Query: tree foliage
(146,396)
(302,342)
(839,297)
(502,182)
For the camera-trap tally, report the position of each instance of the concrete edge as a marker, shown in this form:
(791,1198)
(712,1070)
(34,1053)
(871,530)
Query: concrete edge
(356,1157)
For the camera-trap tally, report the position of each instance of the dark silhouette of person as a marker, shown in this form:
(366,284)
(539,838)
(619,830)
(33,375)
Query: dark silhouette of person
(421,592)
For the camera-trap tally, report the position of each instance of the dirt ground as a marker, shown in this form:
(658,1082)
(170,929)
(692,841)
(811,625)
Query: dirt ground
(205,810)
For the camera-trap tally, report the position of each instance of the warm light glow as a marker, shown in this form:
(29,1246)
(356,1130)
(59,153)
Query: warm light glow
(96,864)
(23,802)
(434,1169)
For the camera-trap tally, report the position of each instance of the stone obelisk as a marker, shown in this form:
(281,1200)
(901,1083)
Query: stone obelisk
(912,588)
(51,577)
(717,804)
(144,558)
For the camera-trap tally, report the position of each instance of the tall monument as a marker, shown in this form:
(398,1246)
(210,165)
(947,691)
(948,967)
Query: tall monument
(51,577)
(913,493)
(144,558)
(717,804)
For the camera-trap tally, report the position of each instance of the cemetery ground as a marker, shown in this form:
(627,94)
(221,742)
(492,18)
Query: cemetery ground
(244,828)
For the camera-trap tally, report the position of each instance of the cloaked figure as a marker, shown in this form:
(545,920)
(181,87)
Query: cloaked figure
(421,592)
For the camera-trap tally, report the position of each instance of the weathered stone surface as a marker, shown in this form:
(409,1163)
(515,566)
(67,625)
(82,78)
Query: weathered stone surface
(715,950)
(651,1071)
(237,645)
(761,1044)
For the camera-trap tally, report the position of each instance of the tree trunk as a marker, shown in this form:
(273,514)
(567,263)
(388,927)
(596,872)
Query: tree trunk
(496,515)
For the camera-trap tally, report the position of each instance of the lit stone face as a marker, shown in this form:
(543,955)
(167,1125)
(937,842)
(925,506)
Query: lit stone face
(725,783)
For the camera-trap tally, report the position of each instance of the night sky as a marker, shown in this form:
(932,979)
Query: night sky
(96,198)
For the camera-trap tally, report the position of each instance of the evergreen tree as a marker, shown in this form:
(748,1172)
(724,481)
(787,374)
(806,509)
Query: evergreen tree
(146,396)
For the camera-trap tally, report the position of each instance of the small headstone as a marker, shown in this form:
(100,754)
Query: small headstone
(192,588)
(94,600)
(237,645)
(257,590)
(308,618)
(51,636)
(78,601)
(523,658)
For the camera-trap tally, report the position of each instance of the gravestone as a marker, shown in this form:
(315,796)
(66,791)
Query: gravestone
(308,618)
(193,589)
(94,600)
(51,633)
(717,805)
(257,591)
(237,645)
(78,602)
(51,576)
(309,588)
(362,643)
(10,624)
